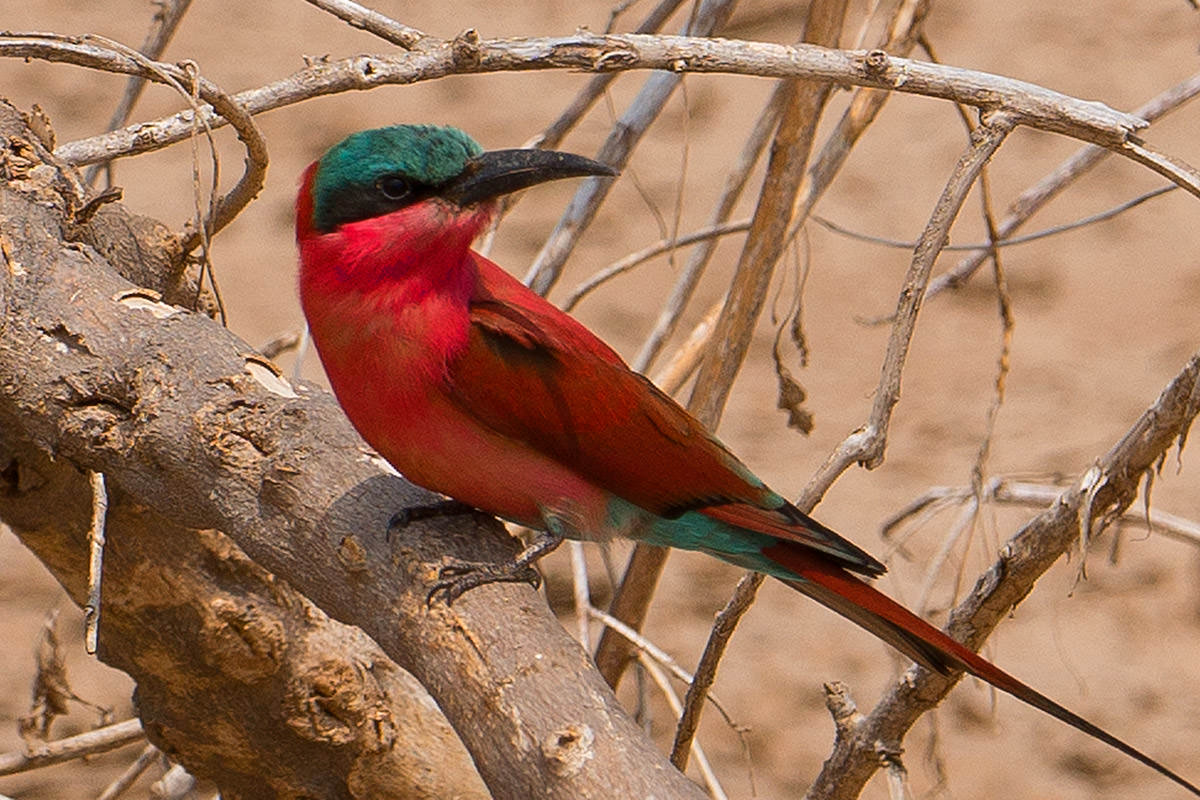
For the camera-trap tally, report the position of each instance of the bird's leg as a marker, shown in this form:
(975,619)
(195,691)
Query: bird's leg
(440,508)
(458,576)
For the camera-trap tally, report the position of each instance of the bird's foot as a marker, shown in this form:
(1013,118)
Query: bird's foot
(457,577)
(442,508)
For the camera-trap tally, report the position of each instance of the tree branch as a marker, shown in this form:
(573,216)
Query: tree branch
(1108,488)
(1032,105)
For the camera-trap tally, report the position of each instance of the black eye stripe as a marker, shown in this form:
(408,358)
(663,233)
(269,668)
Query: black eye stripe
(353,202)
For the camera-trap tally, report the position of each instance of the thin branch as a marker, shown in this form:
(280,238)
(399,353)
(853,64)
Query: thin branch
(1173,169)
(1010,491)
(373,22)
(635,259)
(126,779)
(166,20)
(1035,198)
(866,445)
(90,743)
(583,600)
(91,611)
(1032,105)
(689,279)
(722,631)
(616,151)
(1022,560)
(649,649)
(711,781)
(943,280)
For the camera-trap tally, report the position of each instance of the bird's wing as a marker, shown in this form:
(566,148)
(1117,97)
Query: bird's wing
(534,374)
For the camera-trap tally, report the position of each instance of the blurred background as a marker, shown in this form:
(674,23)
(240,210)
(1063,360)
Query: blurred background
(1104,317)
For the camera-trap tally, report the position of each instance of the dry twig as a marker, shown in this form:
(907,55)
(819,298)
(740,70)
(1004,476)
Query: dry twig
(96,539)
(1021,561)
(1030,104)
(57,751)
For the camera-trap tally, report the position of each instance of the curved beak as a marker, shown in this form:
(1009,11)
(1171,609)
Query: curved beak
(499,172)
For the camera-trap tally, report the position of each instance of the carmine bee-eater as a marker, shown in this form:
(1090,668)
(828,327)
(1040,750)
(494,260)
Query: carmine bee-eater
(473,386)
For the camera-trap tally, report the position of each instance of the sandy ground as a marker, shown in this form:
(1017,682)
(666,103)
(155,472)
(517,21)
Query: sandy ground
(1104,317)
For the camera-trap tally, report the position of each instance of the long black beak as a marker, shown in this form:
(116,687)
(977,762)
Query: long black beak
(498,172)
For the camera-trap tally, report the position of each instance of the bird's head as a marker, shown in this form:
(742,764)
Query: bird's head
(439,173)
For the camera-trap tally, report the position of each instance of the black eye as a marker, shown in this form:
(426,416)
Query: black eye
(394,187)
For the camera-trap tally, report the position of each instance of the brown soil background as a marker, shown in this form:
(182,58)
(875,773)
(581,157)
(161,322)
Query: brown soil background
(1104,317)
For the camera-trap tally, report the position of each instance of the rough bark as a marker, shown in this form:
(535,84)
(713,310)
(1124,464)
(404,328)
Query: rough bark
(195,434)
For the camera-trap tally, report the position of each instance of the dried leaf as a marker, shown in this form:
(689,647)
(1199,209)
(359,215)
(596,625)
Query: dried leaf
(51,692)
(792,397)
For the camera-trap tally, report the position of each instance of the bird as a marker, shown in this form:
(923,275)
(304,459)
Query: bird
(475,387)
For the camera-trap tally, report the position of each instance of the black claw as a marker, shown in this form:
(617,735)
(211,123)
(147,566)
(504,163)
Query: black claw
(459,577)
(443,508)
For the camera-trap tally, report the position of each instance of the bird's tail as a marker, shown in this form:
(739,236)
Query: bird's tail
(837,589)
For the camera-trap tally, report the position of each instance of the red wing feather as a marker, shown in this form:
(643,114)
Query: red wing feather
(534,374)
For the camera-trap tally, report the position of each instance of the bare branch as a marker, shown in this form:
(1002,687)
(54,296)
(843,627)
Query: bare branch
(722,631)
(126,779)
(1032,105)
(1035,197)
(866,445)
(616,151)
(944,280)
(373,22)
(621,266)
(91,611)
(1173,169)
(166,19)
(57,751)
(1021,562)
(689,279)
(1024,493)
(715,791)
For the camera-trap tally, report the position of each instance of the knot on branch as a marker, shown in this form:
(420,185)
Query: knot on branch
(613,59)
(249,645)
(847,719)
(465,49)
(875,62)
(568,749)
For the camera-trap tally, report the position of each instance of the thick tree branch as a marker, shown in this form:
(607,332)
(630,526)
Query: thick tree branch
(226,657)
(182,419)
